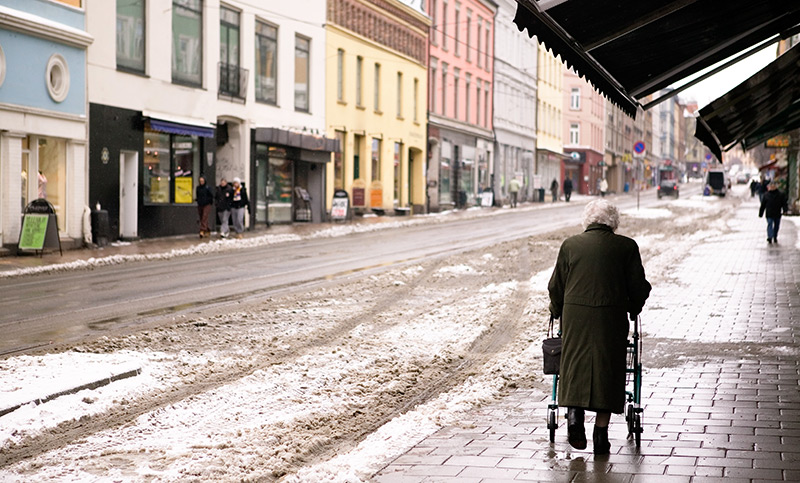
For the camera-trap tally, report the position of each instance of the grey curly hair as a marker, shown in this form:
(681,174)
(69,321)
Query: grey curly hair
(601,211)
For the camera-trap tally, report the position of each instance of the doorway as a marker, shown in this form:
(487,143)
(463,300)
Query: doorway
(128,194)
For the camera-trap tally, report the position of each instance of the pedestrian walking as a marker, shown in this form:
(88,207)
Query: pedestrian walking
(239,202)
(204,198)
(754,184)
(773,204)
(223,198)
(513,189)
(567,188)
(554,190)
(598,283)
(603,187)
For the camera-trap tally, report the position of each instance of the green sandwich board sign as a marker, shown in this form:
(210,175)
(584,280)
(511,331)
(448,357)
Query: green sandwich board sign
(34,229)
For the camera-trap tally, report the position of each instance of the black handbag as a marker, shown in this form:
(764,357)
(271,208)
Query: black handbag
(551,350)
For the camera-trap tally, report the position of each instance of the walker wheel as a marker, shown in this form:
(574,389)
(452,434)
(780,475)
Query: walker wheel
(552,425)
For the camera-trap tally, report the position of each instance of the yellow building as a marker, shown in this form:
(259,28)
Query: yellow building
(549,130)
(376,75)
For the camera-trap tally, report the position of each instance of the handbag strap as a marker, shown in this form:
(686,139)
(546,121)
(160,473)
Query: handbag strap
(550,327)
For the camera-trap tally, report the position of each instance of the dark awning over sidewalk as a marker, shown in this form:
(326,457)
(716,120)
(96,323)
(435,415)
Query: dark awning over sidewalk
(763,106)
(629,49)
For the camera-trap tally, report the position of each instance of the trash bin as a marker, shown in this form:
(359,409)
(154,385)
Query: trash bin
(101,230)
(540,198)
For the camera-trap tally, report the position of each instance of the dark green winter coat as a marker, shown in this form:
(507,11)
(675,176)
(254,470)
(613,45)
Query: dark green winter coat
(597,284)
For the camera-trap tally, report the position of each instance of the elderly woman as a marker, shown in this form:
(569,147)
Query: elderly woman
(597,284)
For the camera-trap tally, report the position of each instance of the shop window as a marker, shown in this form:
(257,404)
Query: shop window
(171,168)
(266,63)
(376,159)
(130,35)
(279,186)
(187,42)
(445,173)
(398,148)
(46,175)
(338,162)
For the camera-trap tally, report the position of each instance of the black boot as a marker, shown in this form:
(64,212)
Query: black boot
(600,440)
(576,433)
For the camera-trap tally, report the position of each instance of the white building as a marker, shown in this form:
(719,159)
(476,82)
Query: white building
(515,94)
(180,88)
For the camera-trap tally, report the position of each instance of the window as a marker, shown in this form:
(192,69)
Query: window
(416,100)
(340,75)
(376,159)
(468,84)
(456,103)
(574,133)
(432,99)
(171,167)
(444,25)
(487,46)
(434,18)
(43,173)
(302,49)
(57,77)
(478,101)
(187,42)
(469,35)
(338,162)
(266,63)
(575,98)
(457,23)
(229,74)
(130,35)
(486,109)
(358,145)
(444,89)
(359,81)
(478,47)
(377,88)
(399,94)
(445,173)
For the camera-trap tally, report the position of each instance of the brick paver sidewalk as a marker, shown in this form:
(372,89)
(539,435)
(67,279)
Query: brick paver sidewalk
(721,385)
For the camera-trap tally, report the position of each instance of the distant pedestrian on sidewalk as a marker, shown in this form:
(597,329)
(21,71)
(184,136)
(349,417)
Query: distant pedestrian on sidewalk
(513,189)
(754,185)
(567,188)
(773,204)
(603,187)
(597,284)
(223,199)
(554,190)
(204,198)
(239,202)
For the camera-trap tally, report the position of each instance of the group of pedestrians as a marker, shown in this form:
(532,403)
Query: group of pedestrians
(567,189)
(231,201)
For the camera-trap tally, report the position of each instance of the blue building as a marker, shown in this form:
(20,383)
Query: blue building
(43,113)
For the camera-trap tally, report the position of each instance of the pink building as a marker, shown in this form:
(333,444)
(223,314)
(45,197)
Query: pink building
(460,82)
(584,123)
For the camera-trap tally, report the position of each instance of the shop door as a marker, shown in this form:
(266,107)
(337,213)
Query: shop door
(128,194)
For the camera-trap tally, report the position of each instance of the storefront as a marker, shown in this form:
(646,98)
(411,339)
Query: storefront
(288,176)
(463,168)
(144,170)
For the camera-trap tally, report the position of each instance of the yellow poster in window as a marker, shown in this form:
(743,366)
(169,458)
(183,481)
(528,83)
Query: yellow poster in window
(183,189)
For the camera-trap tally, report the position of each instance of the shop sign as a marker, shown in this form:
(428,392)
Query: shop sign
(780,141)
(183,189)
(339,205)
(34,229)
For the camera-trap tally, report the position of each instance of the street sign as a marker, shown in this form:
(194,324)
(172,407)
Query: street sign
(638,147)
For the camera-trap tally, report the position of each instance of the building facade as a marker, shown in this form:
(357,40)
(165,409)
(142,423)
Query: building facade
(43,126)
(210,98)
(460,102)
(515,94)
(619,141)
(549,134)
(584,125)
(376,95)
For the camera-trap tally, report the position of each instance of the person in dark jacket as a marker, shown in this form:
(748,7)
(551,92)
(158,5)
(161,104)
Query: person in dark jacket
(223,198)
(762,189)
(773,204)
(597,284)
(239,202)
(554,190)
(567,188)
(204,198)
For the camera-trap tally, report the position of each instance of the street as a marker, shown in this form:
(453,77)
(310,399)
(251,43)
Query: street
(332,380)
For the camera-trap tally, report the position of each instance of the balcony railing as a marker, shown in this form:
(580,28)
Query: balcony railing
(232,82)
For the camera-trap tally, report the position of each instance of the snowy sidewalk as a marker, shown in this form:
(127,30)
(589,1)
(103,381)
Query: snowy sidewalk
(720,381)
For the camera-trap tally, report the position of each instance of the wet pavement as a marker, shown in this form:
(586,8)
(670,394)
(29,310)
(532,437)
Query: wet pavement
(721,385)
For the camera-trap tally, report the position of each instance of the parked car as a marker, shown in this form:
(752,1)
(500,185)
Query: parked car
(717,182)
(668,187)
(742,178)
